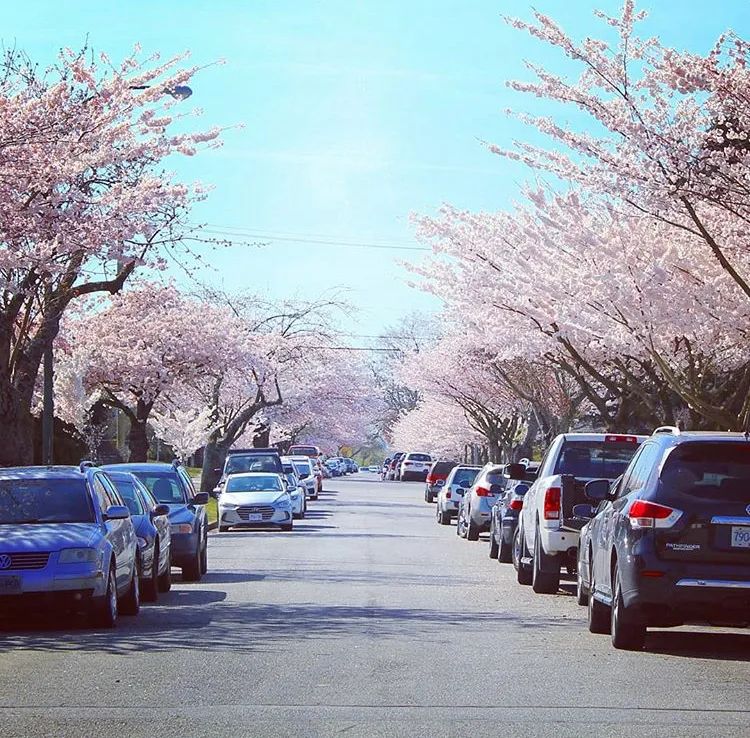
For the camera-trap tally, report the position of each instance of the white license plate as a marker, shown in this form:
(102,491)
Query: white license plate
(740,537)
(255,518)
(10,585)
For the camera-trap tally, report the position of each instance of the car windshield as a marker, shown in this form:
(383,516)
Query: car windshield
(165,487)
(419,457)
(595,459)
(442,467)
(302,469)
(304,450)
(239,463)
(465,477)
(44,501)
(714,471)
(126,488)
(269,483)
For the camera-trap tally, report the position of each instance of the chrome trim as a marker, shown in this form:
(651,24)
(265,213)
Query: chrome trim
(730,520)
(715,583)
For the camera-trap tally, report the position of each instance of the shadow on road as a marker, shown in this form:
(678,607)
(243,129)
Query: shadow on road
(690,644)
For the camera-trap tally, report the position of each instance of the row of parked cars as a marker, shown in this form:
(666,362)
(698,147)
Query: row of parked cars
(405,467)
(654,529)
(99,539)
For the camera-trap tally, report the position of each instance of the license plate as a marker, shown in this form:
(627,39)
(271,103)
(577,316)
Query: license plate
(255,518)
(10,585)
(740,537)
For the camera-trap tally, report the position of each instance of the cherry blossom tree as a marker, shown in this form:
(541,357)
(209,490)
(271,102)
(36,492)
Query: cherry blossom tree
(84,200)
(184,429)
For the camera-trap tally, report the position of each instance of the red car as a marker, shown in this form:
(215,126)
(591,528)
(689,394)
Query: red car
(436,477)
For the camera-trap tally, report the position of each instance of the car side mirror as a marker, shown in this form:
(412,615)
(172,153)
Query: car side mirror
(598,489)
(117,512)
(584,511)
(516,471)
(160,510)
(200,499)
(496,489)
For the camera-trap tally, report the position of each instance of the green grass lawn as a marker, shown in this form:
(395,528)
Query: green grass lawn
(212,511)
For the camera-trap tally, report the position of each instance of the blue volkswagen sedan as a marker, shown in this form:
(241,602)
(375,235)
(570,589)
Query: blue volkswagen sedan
(66,543)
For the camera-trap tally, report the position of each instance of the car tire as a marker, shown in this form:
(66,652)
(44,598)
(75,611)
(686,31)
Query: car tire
(543,582)
(204,555)
(288,527)
(460,532)
(582,595)
(504,551)
(192,571)
(494,547)
(627,627)
(428,496)
(472,531)
(131,603)
(165,579)
(599,618)
(443,518)
(523,571)
(104,609)
(150,592)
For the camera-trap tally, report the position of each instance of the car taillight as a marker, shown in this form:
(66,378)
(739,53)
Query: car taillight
(552,503)
(515,505)
(645,514)
(620,439)
(429,480)
(482,492)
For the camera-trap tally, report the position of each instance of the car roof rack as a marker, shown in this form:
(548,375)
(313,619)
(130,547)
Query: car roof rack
(86,465)
(671,430)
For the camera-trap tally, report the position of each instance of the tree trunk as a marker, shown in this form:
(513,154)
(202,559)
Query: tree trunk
(262,437)
(137,441)
(214,455)
(16,428)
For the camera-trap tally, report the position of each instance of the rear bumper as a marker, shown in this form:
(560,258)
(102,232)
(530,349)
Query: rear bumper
(556,542)
(508,527)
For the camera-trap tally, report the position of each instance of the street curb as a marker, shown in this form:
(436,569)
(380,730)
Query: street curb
(213,526)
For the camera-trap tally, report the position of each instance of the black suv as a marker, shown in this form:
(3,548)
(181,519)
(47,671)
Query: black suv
(670,541)
(241,460)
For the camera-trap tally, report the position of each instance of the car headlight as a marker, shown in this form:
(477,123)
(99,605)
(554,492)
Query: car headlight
(181,528)
(282,501)
(79,556)
(228,505)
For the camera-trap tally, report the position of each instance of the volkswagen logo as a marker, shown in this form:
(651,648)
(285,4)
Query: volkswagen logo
(747,509)
(5,561)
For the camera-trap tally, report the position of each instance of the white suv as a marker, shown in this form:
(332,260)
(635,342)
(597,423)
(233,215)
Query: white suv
(548,532)
(414,466)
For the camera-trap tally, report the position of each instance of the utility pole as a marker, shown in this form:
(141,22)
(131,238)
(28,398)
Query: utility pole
(48,409)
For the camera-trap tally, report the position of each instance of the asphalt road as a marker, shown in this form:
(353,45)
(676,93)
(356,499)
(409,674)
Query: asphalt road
(368,620)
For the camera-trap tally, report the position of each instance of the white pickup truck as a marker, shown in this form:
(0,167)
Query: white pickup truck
(548,531)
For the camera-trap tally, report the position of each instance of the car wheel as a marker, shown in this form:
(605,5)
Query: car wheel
(104,610)
(494,548)
(472,530)
(443,518)
(428,496)
(192,571)
(288,527)
(598,613)
(151,585)
(504,552)
(131,603)
(628,628)
(460,525)
(582,596)
(523,571)
(543,582)
(204,556)
(165,579)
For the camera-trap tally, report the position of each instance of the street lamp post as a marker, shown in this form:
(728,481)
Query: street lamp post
(178,92)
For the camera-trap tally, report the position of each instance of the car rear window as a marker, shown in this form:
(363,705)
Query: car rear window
(126,488)
(27,501)
(595,459)
(496,477)
(419,457)
(465,477)
(715,471)
(442,467)
(304,450)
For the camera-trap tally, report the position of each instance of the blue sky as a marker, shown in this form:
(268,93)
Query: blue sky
(355,113)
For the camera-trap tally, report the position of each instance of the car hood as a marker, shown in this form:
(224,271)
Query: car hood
(250,498)
(47,537)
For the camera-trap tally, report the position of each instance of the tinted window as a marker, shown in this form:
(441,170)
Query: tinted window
(442,467)
(254,484)
(164,487)
(303,450)
(715,471)
(302,469)
(45,501)
(238,463)
(465,477)
(103,493)
(419,457)
(639,472)
(595,459)
(129,496)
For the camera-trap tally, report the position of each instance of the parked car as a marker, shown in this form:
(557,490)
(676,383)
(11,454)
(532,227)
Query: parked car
(241,460)
(171,485)
(350,465)
(414,466)
(385,468)
(475,509)
(151,522)
(67,543)
(296,490)
(449,497)
(312,452)
(436,477)
(505,512)
(333,467)
(670,541)
(548,527)
(305,471)
(392,473)
(255,499)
